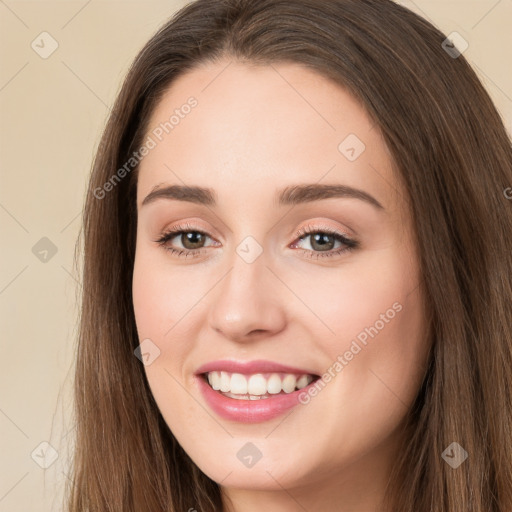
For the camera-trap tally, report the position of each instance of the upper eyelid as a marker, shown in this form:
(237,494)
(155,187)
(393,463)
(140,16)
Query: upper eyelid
(305,230)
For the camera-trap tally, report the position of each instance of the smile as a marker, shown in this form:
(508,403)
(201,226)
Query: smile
(251,392)
(256,386)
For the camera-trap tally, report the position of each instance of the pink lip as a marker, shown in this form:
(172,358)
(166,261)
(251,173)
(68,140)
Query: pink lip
(249,367)
(249,411)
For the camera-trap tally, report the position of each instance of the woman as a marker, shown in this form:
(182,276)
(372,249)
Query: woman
(297,271)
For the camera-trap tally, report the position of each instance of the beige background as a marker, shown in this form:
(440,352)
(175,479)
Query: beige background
(52,112)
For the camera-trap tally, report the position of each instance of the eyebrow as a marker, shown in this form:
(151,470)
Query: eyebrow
(291,195)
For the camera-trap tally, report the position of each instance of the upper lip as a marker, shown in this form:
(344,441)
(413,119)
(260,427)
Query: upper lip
(250,367)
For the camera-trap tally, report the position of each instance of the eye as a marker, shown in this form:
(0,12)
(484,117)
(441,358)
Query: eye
(192,240)
(323,240)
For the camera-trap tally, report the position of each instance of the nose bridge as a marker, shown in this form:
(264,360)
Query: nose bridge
(247,299)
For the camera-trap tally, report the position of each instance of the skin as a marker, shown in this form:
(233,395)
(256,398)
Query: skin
(255,130)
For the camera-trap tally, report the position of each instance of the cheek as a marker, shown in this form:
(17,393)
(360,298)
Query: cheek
(379,383)
(372,329)
(159,303)
(166,301)
(373,296)
(376,348)
(163,294)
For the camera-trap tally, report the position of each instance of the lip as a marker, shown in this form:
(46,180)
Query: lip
(249,411)
(250,367)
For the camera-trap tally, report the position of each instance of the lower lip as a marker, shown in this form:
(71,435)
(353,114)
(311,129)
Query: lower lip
(248,411)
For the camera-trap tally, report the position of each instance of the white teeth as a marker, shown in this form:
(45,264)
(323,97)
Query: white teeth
(214,380)
(303,381)
(257,385)
(254,387)
(289,383)
(274,384)
(225,381)
(238,384)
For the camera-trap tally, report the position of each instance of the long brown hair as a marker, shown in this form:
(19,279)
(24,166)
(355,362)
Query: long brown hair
(454,156)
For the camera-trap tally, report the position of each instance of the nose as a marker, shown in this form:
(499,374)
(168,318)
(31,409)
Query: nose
(249,302)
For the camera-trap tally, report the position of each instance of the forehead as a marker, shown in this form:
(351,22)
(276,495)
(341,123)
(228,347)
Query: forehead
(254,128)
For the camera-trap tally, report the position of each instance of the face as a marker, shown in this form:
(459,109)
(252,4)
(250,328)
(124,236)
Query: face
(289,280)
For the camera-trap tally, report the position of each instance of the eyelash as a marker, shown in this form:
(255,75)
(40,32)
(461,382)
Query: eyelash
(349,243)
